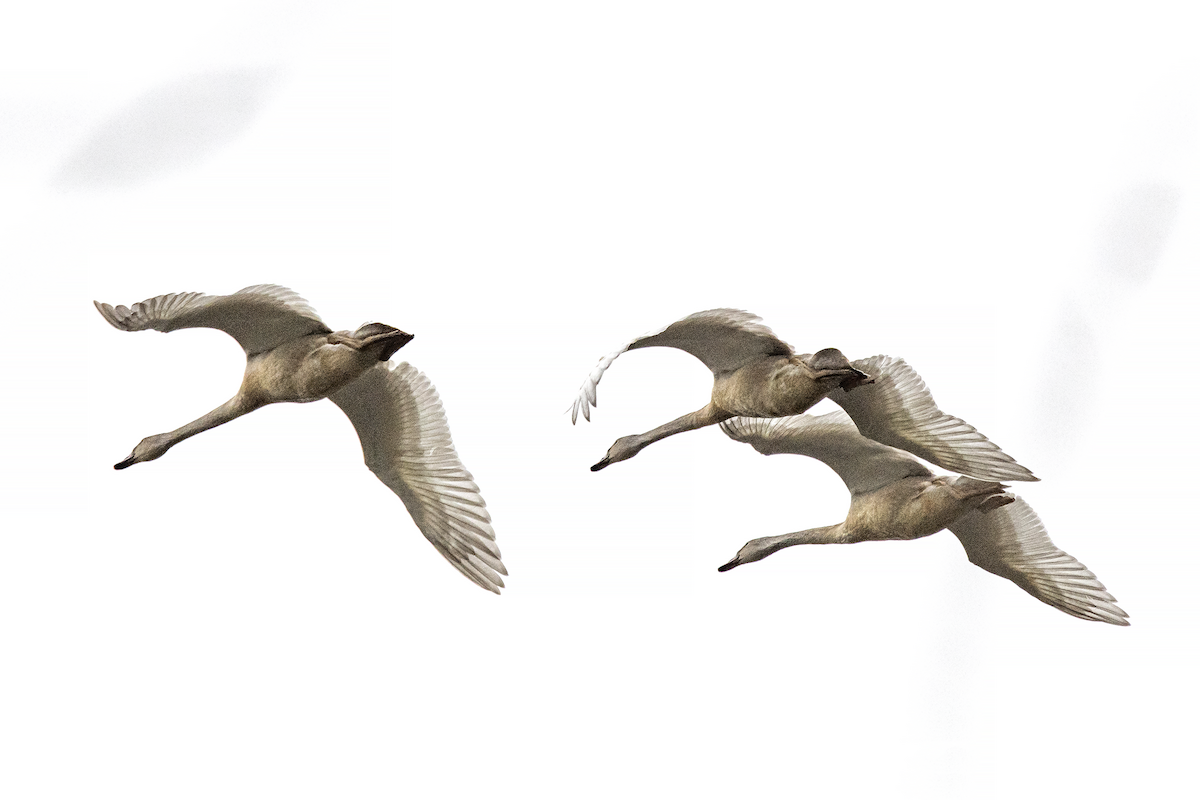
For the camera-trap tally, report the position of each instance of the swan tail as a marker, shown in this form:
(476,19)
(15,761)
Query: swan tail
(988,495)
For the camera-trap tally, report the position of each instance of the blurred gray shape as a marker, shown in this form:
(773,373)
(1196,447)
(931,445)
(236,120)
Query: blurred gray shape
(168,128)
(1135,231)
(1070,380)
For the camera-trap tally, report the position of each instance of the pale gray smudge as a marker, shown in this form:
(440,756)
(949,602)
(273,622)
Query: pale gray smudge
(1131,244)
(1135,231)
(1069,380)
(168,128)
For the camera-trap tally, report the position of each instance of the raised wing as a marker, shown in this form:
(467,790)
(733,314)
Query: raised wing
(898,410)
(1011,542)
(406,443)
(723,338)
(260,317)
(864,465)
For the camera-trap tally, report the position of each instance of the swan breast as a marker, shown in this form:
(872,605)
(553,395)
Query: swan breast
(910,508)
(777,386)
(303,370)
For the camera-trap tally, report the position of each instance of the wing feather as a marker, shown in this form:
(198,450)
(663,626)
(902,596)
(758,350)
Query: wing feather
(898,410)
(724,339)
(406,443)
(1011,542)
(259,317)
(864,465)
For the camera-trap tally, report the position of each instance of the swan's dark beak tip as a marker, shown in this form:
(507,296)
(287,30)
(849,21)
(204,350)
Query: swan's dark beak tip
(729,566)
(129,462)
(601,464)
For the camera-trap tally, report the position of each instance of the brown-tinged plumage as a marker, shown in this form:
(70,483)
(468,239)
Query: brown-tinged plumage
(756,374)
(293,357)
(894,496)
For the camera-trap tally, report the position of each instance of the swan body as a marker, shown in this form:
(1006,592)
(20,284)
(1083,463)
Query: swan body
(894,496)
(293,357)
(756,374)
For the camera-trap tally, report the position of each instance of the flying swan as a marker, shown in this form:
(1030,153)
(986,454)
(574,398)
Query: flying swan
(293,357)
(757,374)
(893,496)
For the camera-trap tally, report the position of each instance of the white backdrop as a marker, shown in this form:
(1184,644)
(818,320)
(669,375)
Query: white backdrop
(1007,199)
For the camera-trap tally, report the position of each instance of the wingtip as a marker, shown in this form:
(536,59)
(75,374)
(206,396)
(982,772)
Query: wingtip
(106,311)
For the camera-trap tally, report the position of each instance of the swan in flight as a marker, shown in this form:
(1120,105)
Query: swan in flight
(293,357)
(757,374)
(893,496)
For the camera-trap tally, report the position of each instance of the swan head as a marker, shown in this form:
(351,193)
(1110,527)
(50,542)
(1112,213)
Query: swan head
(624,448)
(754,550)
(147,449)
(380,338)
(830,363)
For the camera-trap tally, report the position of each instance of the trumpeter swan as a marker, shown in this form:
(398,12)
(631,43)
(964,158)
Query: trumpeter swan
(757,374)
(893,496)
(293,357)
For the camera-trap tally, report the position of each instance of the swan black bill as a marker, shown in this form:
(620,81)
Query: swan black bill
(601,464)
(128,462)
(729,566)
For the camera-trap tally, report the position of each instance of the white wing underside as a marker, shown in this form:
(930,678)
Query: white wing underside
(864,465)
(406,443)
(724,339)
(1011,542)
(898,410)
(260,317)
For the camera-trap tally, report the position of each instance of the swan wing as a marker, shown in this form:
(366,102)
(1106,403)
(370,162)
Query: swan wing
(864,465)
(1011,542)
(898,410)
(724,339)
(260,317)
(406,443)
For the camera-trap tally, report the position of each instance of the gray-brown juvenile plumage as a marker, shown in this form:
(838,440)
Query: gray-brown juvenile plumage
(894,496)
(293,357)
(757,374)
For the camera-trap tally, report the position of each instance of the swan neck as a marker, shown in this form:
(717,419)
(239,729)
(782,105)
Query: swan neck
(709,415)
(229,410)
(830,534)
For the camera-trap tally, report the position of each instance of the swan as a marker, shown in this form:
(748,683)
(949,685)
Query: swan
(757,374)
(293,357)
(893,496)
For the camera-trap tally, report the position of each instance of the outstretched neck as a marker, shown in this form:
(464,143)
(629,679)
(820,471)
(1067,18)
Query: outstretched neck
(709,415)
(629,446)
(153,447)
(830,534)
(229,410)
(156,446)
(758,549)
